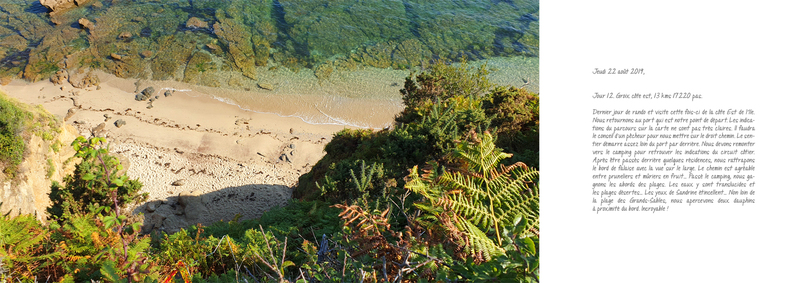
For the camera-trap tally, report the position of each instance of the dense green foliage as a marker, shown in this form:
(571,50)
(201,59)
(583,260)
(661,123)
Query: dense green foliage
(443,104)
(11,143)
(92,238)
(96,178)
(17,123)
(434,199)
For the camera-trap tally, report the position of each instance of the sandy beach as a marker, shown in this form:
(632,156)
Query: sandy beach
(200,159)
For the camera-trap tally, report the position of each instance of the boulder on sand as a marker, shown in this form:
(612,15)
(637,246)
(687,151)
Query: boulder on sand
(145,94)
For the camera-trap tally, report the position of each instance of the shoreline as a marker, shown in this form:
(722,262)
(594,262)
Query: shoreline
(200,159)
(228,158)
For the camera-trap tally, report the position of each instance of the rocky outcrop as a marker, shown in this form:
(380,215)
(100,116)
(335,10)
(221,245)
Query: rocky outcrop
(28,193)
(57,6)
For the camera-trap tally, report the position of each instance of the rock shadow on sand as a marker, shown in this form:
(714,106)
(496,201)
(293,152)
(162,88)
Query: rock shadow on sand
(193,207)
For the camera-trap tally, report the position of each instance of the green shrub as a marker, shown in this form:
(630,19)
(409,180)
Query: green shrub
(98,182)
(515,116)
(12,145)
(17,123)
(440,82)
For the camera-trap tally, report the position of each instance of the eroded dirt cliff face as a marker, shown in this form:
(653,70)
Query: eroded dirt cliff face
(43,163)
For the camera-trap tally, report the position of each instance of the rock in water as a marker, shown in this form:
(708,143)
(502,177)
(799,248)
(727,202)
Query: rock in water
(267,86)
(87,24)
(196,23)
(57,6)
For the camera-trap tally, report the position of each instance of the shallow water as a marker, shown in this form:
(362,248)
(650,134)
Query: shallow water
(325,61)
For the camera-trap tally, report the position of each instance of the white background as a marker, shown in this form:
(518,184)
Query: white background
(738,54)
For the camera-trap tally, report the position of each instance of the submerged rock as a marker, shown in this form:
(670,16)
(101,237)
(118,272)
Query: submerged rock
(87,24)
(267,86)
(238,40)
(196,23)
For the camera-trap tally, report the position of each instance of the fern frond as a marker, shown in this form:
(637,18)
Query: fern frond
(480,198)
(527,206)
(479,215)
(478,243)
(462,182)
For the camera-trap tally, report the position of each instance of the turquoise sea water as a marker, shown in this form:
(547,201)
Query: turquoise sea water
(307,58)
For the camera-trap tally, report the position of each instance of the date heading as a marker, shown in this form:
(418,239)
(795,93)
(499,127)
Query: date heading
(615,71)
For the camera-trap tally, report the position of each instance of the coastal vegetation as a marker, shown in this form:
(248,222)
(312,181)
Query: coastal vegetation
(17,123)
(450,193)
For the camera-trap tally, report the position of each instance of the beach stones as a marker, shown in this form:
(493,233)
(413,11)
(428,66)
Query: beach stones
(180,182)
(86,81)
(148,91)
(119,123)
(100,127)
(158,220)
(145,94)
(167,93)
(193,205)
(71,112)
(59,77)
(151,207)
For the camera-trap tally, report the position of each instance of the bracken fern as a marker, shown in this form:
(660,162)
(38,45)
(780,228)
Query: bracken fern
(476,199)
